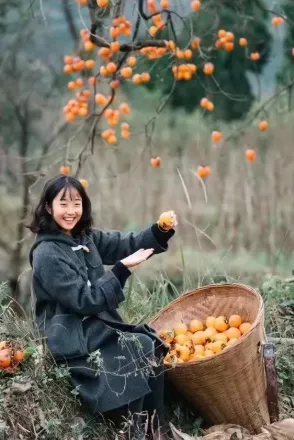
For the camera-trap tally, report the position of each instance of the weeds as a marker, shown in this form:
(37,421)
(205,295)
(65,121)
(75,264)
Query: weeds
(38,401)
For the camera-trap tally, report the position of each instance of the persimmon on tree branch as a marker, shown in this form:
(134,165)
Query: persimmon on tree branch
(261,108)
(117,64)
(125,47)
(135,45)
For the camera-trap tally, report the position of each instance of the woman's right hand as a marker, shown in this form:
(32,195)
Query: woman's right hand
(137,258)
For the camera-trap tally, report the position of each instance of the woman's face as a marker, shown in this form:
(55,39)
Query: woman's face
(67,209)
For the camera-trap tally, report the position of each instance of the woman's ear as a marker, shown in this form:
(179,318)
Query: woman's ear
(48,209)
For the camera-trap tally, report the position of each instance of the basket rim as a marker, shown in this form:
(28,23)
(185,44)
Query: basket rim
(201,289)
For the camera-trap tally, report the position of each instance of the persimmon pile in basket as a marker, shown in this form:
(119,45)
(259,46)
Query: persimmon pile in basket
(197,340)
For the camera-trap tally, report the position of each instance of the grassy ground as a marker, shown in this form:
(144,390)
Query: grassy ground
(37,401)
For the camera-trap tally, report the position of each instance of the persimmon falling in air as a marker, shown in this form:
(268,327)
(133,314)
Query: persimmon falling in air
(155,161)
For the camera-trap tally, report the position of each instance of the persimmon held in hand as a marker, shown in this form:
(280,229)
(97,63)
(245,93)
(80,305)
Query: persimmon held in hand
(165,221)
(84,183)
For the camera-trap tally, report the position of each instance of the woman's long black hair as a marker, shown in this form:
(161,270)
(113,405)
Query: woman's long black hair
(43,221)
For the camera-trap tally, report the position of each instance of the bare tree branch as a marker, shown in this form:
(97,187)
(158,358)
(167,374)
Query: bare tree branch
(126,47)
(49,142)
(70,22)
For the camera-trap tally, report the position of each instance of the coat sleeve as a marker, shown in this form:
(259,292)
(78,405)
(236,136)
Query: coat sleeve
(65,285)
(115,245)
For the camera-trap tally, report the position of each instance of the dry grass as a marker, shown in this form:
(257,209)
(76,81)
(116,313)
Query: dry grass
(237,223)
(37,402)
(248,206)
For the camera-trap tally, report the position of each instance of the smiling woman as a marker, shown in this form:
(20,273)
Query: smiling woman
(67,209)
(64,206)
(76,303)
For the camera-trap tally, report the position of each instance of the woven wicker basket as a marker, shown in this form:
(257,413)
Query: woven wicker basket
(229,387)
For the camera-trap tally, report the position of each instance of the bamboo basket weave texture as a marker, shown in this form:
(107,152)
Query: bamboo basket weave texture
(229,387)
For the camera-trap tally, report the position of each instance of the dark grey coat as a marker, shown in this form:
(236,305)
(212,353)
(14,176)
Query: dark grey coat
(75,307)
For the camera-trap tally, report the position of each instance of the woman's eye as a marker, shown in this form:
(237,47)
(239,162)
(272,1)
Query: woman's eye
(77,204)
(63,204)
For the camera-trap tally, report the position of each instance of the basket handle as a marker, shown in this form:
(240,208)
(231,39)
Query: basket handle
(269,358)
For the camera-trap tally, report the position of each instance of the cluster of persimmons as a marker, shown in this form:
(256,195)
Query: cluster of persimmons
(197,340)
(114,70)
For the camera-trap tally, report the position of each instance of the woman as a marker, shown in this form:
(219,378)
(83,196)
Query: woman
(114,365)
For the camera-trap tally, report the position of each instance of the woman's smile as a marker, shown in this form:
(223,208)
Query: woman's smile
(67,209)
